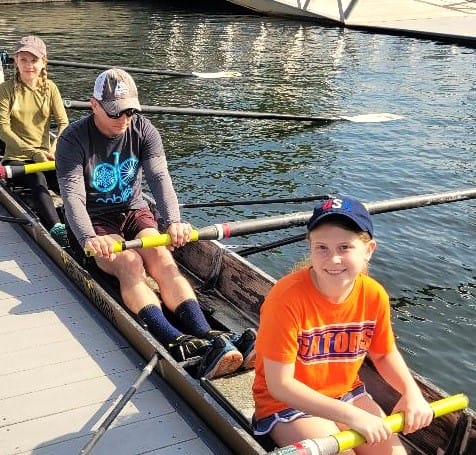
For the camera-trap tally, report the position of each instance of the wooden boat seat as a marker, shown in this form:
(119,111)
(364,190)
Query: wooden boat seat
(233,393)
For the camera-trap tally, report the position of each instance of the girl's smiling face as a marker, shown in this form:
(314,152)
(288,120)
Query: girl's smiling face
(30,67)
(338,255)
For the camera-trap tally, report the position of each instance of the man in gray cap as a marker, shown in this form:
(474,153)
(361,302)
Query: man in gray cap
(99,160)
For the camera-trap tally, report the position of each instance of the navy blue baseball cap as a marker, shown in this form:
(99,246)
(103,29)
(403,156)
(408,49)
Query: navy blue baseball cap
(345,206)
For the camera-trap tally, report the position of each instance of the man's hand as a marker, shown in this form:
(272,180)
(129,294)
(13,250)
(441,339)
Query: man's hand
(179,233)
(101,246)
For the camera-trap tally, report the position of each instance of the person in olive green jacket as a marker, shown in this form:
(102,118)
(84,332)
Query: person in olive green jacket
(27,105)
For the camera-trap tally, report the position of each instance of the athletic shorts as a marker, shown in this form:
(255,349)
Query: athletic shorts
(127,224)
(265,425)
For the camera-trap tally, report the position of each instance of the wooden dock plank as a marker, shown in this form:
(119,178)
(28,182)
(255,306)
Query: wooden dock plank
(67,314)
(36,302)
(12,270)
(47,334)
(38,356)
(30,288)
(54,373)
(448,19)
(149,418)
(66,397)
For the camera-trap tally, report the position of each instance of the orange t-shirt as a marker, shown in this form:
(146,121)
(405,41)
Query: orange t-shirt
(327,342)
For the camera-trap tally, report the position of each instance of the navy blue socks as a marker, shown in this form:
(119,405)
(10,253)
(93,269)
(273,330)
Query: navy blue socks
(192,319)
(158,325)
(188,313)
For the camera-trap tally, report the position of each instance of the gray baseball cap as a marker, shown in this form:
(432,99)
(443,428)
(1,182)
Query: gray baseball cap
(32,44)
(116,91)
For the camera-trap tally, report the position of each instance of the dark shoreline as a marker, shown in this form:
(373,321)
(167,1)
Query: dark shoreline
(221,5)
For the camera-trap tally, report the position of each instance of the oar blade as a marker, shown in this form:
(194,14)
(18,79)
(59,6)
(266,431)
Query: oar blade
(217,75)
(373,118)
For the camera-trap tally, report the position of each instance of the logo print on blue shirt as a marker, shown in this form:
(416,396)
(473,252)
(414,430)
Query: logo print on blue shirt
(115,179)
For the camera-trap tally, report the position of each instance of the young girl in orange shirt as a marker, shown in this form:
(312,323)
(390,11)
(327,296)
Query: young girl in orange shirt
(317,325)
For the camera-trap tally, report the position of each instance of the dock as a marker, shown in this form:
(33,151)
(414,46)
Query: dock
(64,367)
(440,19)
(446,20)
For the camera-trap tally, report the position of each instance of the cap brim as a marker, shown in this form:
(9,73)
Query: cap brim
(319,220)
(31,50)
(326,215)
(117,106)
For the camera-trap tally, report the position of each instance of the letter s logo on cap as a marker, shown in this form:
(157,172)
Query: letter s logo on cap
(337,203)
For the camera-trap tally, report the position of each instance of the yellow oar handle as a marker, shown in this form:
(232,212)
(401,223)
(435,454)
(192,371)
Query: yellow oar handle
(149,241)
(9,171)
(40,167)
(349,439)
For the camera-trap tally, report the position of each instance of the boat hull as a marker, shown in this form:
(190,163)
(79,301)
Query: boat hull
(324,11)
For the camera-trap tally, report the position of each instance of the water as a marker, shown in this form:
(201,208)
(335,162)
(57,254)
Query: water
(425,256)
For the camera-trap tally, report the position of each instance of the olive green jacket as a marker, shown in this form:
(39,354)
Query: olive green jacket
(25,118)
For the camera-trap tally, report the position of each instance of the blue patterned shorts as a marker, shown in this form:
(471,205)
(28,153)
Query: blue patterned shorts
(265,425)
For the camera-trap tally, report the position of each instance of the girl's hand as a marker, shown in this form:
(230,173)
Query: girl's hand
(372,428)
(49,156)
(39,156)
(417,411)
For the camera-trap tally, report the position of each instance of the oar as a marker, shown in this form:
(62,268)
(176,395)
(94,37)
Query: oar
(349,439)
(131,69)
(11,219)
(6,59)
(249,250)
(194,205)
(7,172)
(365,118)
(246,227)
(120,405)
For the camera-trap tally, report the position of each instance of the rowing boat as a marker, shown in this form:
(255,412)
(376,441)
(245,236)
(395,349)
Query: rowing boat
(231,290)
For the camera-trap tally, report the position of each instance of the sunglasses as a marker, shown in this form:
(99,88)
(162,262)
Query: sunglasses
(129,112)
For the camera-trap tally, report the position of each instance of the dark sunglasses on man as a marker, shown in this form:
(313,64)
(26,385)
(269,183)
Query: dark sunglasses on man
(129,112)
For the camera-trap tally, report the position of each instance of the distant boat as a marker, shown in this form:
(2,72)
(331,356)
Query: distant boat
(313,9)
(398,17)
